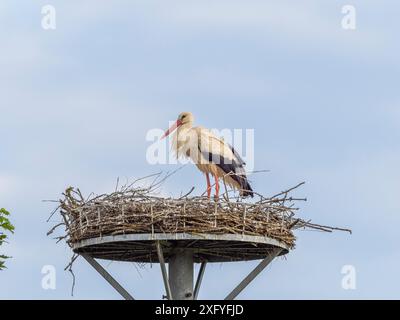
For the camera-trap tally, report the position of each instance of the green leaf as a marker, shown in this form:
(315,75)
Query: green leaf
(4,211)
(6,225)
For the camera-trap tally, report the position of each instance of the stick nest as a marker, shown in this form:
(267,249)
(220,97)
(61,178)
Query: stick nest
(136,210)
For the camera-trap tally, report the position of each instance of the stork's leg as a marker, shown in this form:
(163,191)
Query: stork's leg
(208,186)
(216,187)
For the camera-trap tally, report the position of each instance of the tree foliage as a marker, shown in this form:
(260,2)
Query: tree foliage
(5,226)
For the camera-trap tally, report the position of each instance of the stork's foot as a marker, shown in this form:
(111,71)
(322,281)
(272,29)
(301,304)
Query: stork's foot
(216,198)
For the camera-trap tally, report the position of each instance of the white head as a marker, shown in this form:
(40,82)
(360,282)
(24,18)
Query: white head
(184,119)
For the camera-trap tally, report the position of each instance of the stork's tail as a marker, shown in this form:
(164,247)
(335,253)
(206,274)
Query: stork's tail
(246,190)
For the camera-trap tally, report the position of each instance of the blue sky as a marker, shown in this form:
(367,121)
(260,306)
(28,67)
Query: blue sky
(76,104)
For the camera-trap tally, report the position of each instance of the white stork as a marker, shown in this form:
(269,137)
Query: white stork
(210,154)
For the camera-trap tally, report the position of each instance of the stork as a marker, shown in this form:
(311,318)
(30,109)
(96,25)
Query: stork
(212,155)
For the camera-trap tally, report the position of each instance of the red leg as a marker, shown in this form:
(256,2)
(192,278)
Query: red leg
(216,187)
(208,186)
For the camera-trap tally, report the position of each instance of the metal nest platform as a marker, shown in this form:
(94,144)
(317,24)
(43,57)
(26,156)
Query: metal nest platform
(205,247)
(132,225)
(181,251)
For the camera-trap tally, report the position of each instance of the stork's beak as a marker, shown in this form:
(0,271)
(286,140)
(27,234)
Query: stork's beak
(177,124)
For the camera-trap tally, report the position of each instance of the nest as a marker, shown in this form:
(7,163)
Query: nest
(136,210)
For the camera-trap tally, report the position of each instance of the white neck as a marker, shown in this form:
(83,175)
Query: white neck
(180,135)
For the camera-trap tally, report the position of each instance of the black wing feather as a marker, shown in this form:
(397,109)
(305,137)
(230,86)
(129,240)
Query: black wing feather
(233,168)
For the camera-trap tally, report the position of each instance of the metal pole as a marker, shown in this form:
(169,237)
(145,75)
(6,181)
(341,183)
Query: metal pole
(164,270)
(103,272)
(181,274)
(199,280)
(263,264)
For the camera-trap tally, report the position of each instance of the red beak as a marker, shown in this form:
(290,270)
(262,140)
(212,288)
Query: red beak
(177,124)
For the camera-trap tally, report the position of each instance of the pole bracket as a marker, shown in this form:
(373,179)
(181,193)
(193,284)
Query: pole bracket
(103,272)
(164,270)
(253,274)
